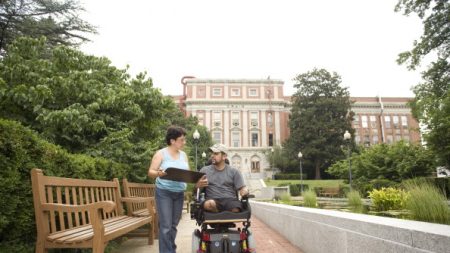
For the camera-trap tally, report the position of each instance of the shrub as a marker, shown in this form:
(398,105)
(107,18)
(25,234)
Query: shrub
(354,199)
(427,203)
(20,151)
(388,198)
(289,176)
(295,189)
(310,199)
(285,198)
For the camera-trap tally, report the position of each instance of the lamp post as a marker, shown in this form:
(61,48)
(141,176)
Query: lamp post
(196,136)
(300,156)
(204,158)
(347,138)
(273,173)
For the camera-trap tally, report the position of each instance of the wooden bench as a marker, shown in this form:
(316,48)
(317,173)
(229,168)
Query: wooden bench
(81,213)
(329,192)
(132,190)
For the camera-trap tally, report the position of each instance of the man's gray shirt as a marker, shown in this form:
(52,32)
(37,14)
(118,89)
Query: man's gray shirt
(222,183)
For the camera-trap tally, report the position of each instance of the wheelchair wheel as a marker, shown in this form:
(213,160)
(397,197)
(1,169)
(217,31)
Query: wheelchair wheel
(195,241)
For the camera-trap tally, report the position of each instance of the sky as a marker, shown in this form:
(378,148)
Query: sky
(256,39)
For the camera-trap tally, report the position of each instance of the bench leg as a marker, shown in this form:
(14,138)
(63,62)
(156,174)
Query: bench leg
(98,247)
(40,248)
(155,227)
(150,234)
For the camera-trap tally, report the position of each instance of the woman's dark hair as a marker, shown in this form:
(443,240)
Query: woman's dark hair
(173,132)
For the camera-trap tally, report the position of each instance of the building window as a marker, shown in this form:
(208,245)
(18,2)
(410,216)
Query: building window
(404,122)
(217,119)
(255,164)
(389,139)
(252,92)
(356,122)
(236,162)
(387,121)
(395,121)
(406,138)
(217,92)
(373,121)
(235,119)
(364,121)
(357,138)
(270,140)
(269,119)
(269,93)
(366,140)
(235,92)
(374,139)
(200,117)
(217,137)
(254,119)
(235,139)
(254,140)
(201,91)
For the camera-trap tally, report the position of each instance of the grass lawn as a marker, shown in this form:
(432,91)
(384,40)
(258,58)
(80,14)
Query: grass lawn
(311,183)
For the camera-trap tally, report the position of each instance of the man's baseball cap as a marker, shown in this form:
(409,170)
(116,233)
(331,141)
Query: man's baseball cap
(219,148)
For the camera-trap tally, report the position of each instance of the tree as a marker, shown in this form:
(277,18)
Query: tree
(58,21)
(319,117)
(394,163)
(84,104)
(432,103)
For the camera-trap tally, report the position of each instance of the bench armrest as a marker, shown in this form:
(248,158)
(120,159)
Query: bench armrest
(108,206)
(149,200)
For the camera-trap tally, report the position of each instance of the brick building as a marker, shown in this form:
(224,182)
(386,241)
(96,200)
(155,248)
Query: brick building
(251,116)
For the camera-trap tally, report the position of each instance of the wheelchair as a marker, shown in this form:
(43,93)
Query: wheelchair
(218,232)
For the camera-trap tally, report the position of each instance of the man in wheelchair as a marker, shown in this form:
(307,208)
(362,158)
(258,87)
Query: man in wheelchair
(217,208)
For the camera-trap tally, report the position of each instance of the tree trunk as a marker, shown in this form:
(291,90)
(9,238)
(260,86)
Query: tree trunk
(317,165)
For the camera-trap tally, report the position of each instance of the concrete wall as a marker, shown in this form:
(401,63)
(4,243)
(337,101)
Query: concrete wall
(326,231)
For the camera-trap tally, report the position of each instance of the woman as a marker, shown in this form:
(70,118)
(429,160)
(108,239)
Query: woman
(169,194)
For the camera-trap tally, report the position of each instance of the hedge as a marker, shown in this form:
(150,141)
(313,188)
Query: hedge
(21,149)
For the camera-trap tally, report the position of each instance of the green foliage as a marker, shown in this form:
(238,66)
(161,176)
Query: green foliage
(427,203)
(289,176)
(59,21)
(280,159)
(20,151)
(432,103)
(320,115)
(381,164)
(310,199)
(295,189)
(204,143)
(388,198)
(285,198)
(354,200)
(84,104)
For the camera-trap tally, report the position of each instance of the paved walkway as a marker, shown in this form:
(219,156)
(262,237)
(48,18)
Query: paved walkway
(267,240)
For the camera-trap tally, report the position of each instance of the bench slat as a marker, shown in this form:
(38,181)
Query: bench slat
(65,233)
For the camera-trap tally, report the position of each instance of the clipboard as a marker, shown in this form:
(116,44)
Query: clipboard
(180,175)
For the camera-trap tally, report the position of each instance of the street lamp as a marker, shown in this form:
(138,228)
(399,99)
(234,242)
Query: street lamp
(347,138)
(273,173)
(300,156)
(204,158)
(196,136)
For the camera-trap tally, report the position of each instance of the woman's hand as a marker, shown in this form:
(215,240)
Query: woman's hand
(160,173)
(202,182)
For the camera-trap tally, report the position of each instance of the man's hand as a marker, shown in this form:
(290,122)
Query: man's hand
(202,182)
(243,191)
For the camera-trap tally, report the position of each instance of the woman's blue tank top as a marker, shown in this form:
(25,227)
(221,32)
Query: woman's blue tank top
(168,162)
